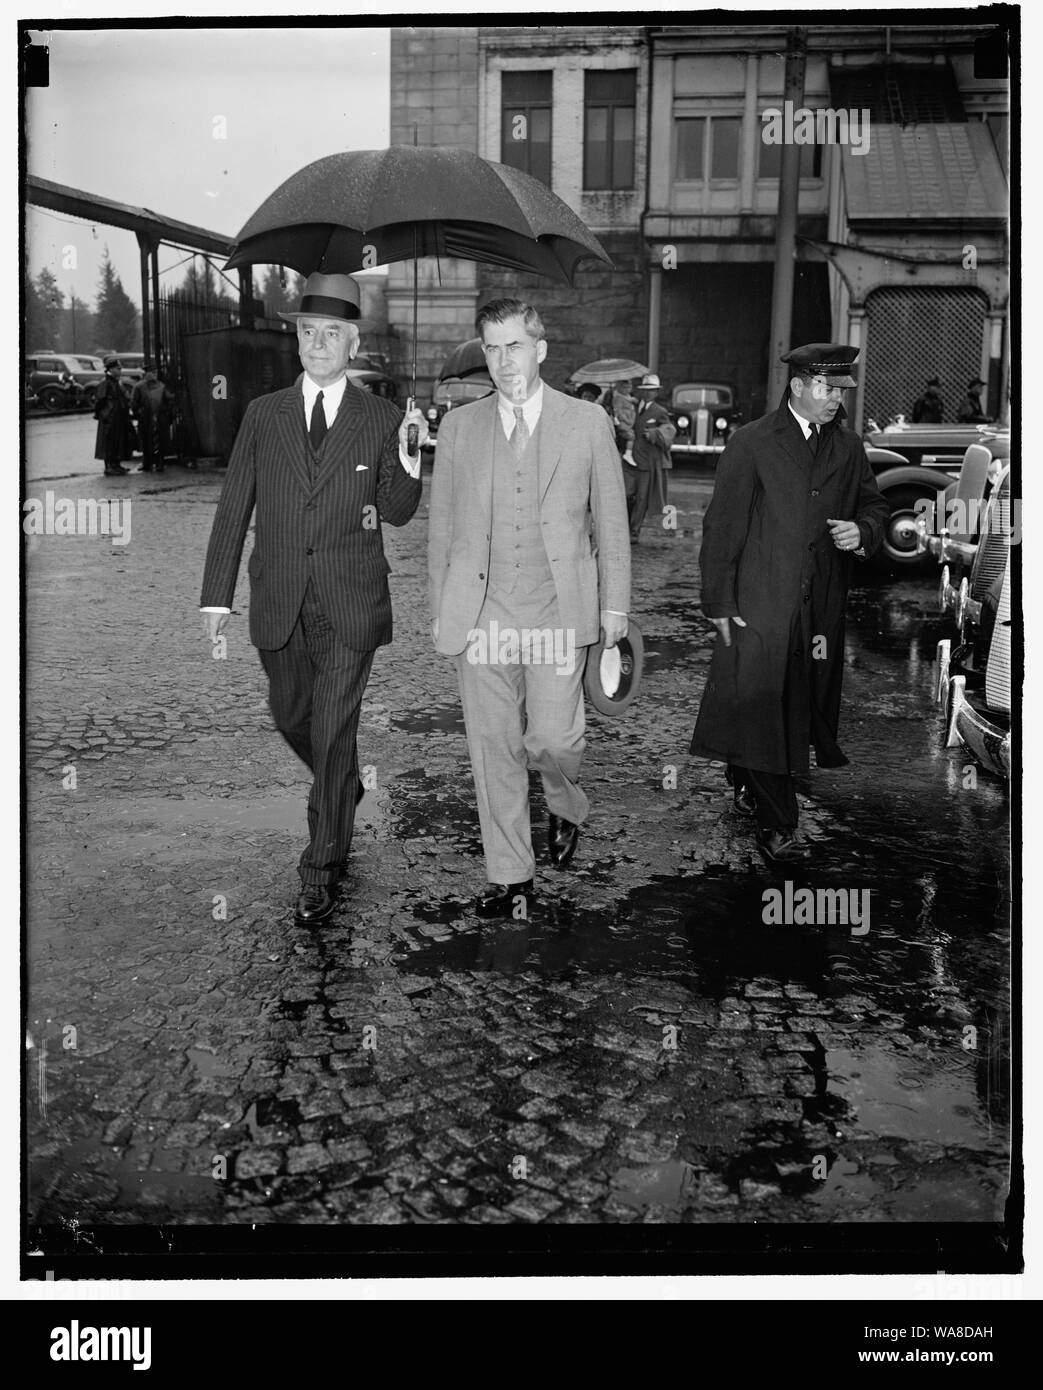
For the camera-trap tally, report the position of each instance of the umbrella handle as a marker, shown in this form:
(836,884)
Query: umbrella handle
(413,432)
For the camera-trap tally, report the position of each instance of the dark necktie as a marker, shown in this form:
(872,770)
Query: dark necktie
(520,434)
(317,431)
(813,441)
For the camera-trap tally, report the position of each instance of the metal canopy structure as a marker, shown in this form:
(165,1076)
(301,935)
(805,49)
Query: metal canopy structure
(152,231)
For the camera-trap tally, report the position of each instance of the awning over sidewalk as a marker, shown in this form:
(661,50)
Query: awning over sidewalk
(933,173)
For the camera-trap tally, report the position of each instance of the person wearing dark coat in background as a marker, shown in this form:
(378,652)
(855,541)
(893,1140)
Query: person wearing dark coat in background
(970,411)
(794,500)
(654,433)
(113,440)
(928,408)
(151,405)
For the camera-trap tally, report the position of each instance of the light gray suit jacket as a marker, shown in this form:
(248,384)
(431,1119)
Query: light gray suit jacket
(582,509)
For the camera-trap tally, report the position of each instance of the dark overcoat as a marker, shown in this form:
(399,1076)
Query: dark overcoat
(314,525)
(767,556)
(113,441)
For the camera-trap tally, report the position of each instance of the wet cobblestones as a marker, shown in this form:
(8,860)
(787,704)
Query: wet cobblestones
(644,1050)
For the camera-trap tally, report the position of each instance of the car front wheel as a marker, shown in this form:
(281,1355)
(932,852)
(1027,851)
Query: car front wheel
(52,399)
(898,550)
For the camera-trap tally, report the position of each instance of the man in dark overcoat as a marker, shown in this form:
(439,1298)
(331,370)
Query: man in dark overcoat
(112,442)
(654,433)
(322,463)
(794,502)
(151,405)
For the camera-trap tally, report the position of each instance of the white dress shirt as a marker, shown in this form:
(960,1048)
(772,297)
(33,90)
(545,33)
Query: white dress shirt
(531,410)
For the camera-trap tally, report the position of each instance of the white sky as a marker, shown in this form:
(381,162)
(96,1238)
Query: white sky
(130,115)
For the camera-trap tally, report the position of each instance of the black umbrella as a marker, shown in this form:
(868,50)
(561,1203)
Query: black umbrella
(364,208)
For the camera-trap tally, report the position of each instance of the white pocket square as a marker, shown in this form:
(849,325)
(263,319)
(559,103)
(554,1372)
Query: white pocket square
(362,468)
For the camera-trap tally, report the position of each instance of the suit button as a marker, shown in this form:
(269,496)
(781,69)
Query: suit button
(811,546)
(807,598)
(309,551)
(481,576)
(814,492)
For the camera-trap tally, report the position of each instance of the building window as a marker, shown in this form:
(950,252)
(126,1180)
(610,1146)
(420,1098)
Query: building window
(525,125)
(609,104)
(707,143)
(769,161)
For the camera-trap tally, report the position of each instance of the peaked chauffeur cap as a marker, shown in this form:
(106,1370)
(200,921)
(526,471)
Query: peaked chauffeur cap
(831,360)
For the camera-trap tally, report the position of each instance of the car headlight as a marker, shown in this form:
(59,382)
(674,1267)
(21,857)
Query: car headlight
(682,422)
(720,423)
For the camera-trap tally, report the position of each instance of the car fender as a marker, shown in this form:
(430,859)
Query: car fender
(908,475)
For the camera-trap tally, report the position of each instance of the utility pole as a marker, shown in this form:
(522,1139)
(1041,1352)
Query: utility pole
(72,314)
(786,222)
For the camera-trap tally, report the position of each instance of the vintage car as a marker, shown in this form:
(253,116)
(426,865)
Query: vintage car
(705,415)
(373,380)
(949,523)
(454,391)
(52,384)
(974,677)
(916,465)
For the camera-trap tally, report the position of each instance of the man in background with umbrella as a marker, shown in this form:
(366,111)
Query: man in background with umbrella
(324,463)
(528,561)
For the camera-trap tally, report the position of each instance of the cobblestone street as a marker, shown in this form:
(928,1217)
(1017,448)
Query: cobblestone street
(644,1050)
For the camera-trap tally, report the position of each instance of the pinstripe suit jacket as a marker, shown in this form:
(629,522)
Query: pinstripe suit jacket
(583,514)
(327,531)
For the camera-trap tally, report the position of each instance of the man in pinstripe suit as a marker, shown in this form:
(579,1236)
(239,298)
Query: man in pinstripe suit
(323,463)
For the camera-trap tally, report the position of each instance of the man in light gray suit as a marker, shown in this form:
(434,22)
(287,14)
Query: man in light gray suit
(529,560)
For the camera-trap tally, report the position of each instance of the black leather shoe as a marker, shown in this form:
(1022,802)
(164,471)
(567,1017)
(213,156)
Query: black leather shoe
(781,846)
(498,899)
(116,472)
(315,904)
(743,801)
(562,838)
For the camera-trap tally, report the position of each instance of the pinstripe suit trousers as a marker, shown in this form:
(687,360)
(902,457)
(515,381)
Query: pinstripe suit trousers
(315,689)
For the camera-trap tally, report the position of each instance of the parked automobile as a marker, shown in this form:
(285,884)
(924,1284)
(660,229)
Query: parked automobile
(948,526)
(455,391)
(974,678)
(916,464)
(87,371)
(52,383)
(377,382)
(705,415)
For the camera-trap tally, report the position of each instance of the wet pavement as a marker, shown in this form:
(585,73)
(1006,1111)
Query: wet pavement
(648,1048)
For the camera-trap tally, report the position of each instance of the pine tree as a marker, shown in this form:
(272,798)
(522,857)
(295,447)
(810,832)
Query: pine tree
(44,309)
(117,325)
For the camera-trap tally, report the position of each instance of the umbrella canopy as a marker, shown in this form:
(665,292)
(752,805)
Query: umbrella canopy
(362,208)
(606,371)
(463,360)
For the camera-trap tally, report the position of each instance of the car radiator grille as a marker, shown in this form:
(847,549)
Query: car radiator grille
(991,558)
(997,672)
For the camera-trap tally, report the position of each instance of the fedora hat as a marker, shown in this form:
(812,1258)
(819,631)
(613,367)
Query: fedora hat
(613,674)
(328,297)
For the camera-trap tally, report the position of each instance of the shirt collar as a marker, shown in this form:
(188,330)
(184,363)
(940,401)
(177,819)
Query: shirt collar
(331,395)
(530,410)
(805,425)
